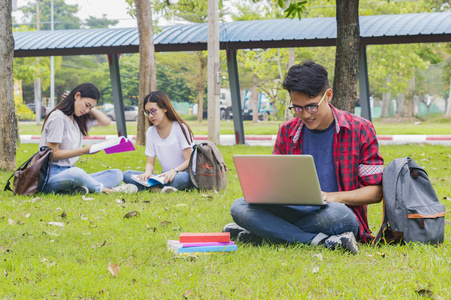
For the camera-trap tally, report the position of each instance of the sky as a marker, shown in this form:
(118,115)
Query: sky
(114,9)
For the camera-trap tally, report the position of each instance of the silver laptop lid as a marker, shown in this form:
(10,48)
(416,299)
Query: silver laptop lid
(278,179)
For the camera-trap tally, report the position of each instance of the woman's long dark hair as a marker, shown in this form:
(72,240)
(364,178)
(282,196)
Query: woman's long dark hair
(87,90)
(163,102)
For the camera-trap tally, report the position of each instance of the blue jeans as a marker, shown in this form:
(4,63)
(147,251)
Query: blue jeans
(181,180)
(67,177)
(288,224)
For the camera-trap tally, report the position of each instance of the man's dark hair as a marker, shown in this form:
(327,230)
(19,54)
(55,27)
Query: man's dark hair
(307,78)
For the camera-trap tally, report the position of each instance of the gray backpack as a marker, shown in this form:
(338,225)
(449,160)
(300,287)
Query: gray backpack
(207,169)
(412,211)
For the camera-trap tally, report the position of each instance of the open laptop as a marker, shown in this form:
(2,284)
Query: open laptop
(278,179)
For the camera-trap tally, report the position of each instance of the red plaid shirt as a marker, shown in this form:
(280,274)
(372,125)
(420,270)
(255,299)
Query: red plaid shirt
(358,162)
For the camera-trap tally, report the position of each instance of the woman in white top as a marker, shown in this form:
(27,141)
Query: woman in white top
(168,138)
(63,131)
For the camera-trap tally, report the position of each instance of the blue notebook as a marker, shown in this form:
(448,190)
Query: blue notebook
(177,247)
(154,180)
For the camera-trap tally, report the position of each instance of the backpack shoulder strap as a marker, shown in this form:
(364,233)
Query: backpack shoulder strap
(190,167)
(383,228)
(8,183)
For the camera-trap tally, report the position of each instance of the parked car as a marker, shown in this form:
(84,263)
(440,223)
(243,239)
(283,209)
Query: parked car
(131,113)
(33,108)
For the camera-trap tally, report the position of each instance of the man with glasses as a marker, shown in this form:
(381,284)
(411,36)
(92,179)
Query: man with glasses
(349,166)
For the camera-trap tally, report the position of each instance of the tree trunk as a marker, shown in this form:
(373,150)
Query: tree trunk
(214,72)
(200,110)
(201,85)
(37,81)
(37,99)
(448,103)
(291,61)
(147,64)
(347,55)
(385,100)
(8,134)
(254,98)
(408,103)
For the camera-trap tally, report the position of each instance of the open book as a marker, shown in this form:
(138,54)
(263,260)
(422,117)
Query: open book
(154,180)
(119,144)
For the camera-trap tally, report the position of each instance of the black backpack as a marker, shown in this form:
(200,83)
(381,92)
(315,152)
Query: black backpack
(412,211)
(207,168)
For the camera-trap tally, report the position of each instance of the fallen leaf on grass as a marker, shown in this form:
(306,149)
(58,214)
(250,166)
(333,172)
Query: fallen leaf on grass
(86,198)
(131,214)
(48,263)
(11,222)
(27,216)
(52,233)
(382,254)
(120,201)
(60,224)
(34,200)
(151,228)
(114,269)
(425,293)
(63,215)
(318,256)
(4,250)
(206,196)
(316,269)
(188,293)
(164,223)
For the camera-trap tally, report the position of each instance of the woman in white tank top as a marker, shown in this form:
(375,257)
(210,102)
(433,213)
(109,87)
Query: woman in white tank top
(169,139)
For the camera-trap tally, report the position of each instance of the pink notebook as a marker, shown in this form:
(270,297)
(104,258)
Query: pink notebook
(117,145)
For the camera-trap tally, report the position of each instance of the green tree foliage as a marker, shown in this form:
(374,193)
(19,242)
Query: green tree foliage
(103,22)
(29,68)
(178,73)
(63,15)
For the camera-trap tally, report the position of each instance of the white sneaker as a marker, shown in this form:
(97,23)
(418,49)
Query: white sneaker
(126,188)
(169,189)
(345,241)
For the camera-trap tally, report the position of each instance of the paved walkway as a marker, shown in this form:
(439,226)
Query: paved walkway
(268,140)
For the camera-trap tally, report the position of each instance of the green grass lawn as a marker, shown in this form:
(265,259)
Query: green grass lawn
(435,126)
(43,261)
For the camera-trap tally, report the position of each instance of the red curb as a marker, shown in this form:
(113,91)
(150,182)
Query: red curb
(201,137)
(385,137)
(438,138)
(94,137)
(258,138)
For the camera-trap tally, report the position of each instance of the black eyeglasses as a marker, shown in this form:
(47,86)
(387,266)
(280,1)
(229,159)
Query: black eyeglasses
(152,112)
(311,109)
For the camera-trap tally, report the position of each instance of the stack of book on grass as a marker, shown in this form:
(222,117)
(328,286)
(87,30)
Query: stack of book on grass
(202,242)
